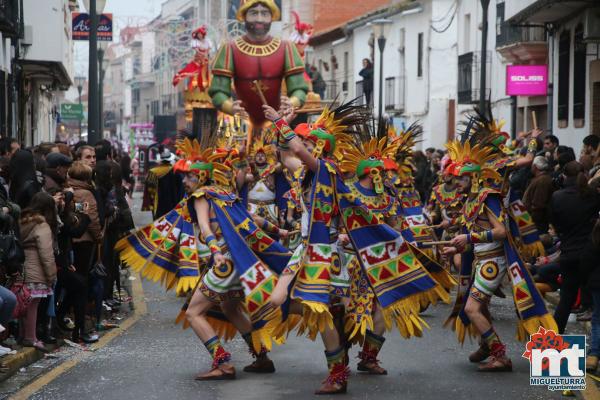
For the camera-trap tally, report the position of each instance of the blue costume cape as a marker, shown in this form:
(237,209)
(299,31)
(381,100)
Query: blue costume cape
(529,304)
(398,280)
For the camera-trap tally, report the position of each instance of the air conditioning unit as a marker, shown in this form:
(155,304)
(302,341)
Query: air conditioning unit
(28,36)
(591,28)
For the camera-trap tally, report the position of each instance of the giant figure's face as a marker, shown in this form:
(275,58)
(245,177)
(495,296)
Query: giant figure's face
(258,20)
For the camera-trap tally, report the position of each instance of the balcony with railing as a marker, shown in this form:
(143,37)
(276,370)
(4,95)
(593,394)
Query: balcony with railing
(518,44)
(331,89)
(469,70)
(360,93)
(394,94)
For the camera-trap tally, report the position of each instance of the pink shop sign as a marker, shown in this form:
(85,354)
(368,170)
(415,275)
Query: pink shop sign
(526,80)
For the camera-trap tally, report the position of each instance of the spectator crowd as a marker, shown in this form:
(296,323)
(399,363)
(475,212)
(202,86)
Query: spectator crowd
(62,209)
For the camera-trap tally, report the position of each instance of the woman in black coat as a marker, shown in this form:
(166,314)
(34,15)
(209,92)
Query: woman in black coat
(367,74)
(573,213)
(590,261)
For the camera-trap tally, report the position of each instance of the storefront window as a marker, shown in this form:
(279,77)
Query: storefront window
(564,53)
(579,78)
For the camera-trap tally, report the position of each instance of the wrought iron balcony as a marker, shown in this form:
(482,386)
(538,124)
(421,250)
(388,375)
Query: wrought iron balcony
(519,44)
(331,90)
(394,94)
(9,17)
(469,67)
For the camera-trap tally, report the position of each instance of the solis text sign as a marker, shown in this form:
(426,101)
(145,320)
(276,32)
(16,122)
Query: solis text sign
(526,80)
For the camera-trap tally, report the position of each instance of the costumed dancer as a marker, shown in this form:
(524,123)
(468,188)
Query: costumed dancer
(163,188)
(487,131)
(397,280)
(368,163)
(445,206)
(261,58)
(414,224)
(242,261)
(262,181)
(488,252)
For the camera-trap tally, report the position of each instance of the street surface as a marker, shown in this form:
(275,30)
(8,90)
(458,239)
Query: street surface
(155,359)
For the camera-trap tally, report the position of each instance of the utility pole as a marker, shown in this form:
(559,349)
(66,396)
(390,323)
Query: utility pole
(101,94)
(93,100)
(484,33)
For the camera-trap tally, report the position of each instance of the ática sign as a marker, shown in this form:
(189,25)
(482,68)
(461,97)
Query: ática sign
(527,80)
(81,27)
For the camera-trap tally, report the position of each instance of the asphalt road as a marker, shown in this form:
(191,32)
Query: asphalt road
(155,359)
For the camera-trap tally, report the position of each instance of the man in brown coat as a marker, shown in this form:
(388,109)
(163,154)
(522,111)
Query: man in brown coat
(539,192)
(57,166)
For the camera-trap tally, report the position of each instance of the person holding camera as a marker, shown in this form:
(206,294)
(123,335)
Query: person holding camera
(84,247)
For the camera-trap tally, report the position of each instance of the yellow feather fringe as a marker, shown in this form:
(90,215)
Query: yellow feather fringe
(263,337)
(356,332)
(282,331)
(530,326)
(445,279)
(535,249)
(152,272)
(462,331)
(405,313)
(225,330)
(315,318)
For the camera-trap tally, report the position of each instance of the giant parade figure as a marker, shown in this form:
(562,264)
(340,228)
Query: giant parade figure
(257,63)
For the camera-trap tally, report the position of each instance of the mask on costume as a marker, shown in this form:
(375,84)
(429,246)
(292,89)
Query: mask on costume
(473,161)
(374,168)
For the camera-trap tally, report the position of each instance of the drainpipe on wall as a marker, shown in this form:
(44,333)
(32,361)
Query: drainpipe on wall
(513,117)
(550,100)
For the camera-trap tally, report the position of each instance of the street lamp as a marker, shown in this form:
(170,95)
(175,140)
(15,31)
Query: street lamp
(484,33)
(79,81)
(380,29)
(94,7)
(102,66)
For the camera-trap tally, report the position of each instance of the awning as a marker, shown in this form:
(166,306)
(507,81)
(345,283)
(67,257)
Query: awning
(546,11)
(54,71)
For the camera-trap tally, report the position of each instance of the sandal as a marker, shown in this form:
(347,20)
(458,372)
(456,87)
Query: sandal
(38,345)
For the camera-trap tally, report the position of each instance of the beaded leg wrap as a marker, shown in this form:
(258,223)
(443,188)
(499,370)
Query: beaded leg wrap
(491,339)
(498,362)
(338,311)
(338,371)
(369,353)
(217,352)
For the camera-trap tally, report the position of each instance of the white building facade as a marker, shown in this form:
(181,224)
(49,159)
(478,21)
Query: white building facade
(573,58)
(47,64)
(432,64)
(419,64)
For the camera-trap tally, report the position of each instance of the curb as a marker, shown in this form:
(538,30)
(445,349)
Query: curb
(14,362)
(48,376)
(25,356)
